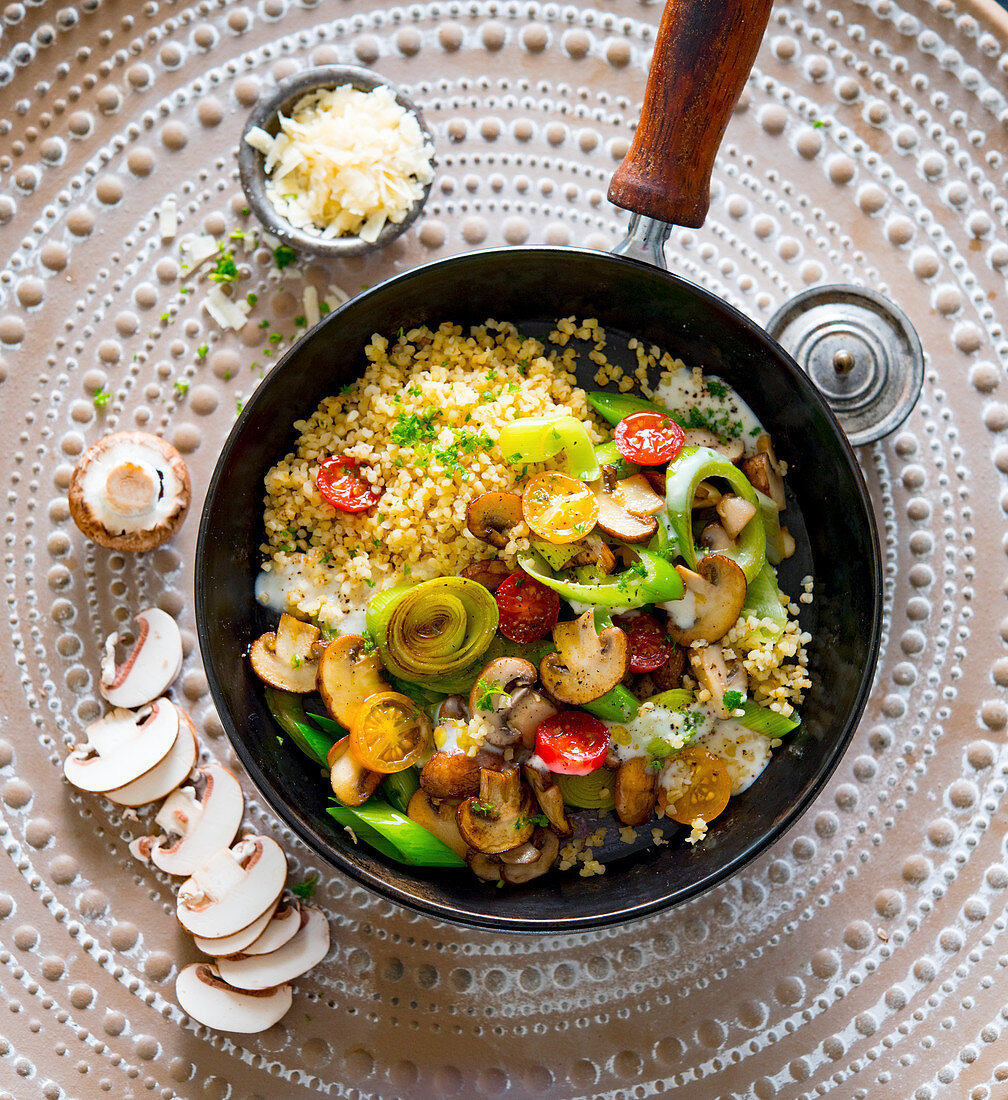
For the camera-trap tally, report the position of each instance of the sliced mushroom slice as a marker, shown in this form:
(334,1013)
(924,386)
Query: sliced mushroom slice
(204,826)
(129,491)
(308,947)
(491,574)
(501,817)
(209,1000)
(593,552)
(669,676)
(488,868)
(162,779)
(240,940)
(616,521)
(765,472)
(491,516)
(122,746)
(283,926)
(450,775)
(550,800)
(718,676)
(232,888)
(454,707)
(586,664)
(352,783)
(732,449)
(735,513)
(517,874)
(347,675)
(637,497)
(714,537)
(287,660)
(495,683)
(635,791)
(438,819)
(151,667)
(719,590)
(529,709)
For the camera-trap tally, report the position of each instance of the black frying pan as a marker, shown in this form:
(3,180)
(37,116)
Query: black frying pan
(829,510)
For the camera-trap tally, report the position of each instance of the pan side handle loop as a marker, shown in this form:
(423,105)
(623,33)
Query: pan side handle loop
(702,57)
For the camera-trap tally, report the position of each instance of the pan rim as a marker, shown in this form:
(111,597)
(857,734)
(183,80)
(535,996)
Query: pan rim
(472,916)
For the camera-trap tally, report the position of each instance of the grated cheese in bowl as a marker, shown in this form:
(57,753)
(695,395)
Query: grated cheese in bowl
(345,162)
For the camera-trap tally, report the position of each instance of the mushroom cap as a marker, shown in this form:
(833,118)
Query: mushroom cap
(635,791)
(163,778)
(347,675)
(719,586)
(548,849)
(587,664)
(238,941)
(491,574)
(352,783)
(130,491)
(208,999)
(713,673)
(152,665)
(205,826)
(234,887)
(501,674)
(490,516)
(550,799)
(122,746)
(305,949)
(450,775)
(529,709)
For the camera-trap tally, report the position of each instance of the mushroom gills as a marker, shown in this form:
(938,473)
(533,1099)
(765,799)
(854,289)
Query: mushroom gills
(587,664)
(287,659)
(491,517)
(122,746)
(151,667)
(209,1000)
(307,947)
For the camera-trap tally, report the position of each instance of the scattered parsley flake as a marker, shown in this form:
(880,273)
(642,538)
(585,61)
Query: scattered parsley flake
(305,889)
(251,298)
(284,256)
(717,389)
(323,308)
(166,316)
(225,270)
(264,324)
(818,124)
(201,351)
(300,322)
(182,387)
(485,692)
(410,430)
(275,338)
(370,645)
(101,398)
(732,699)
(484,809)
(239,405)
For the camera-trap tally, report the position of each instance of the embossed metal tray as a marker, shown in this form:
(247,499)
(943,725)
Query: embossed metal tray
(863,955)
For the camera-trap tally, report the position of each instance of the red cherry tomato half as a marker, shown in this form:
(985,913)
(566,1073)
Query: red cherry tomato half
(528,609)
(648,438)
(572,743)
(650,646)
(340,484)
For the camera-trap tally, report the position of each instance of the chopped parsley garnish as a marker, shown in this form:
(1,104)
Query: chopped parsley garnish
(182,387)
(717,389)
(485,692)
(535,819)
(300,322)
(251,298)
(239,405)
(305,889)
(166,316)
(101,398)
(484,809)
(323,308)
(201,351)
(818,124)
(410,430)
(637,571)
(719,423)
(370,645)
(732,699)
(225,270)
(284,256)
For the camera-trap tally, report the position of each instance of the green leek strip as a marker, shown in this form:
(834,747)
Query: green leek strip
(768,722)
(399,788)
(617,705)
(696,464)
(675,699)
(328,724)
(584,792)
(539,438)
(615,406)
(607,454)
(556,557)
(288,712)
(650,579)
(429,631)
(394,835)
(763,602)
(771,524)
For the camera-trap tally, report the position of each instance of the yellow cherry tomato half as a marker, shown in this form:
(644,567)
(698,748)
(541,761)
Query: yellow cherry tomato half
(702,783)
(559,508)
(389,732)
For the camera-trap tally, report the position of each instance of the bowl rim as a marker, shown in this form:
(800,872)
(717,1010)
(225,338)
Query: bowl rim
(252,175)
(470,917)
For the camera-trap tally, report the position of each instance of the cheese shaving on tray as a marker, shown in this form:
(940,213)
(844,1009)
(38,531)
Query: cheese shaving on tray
(345,162)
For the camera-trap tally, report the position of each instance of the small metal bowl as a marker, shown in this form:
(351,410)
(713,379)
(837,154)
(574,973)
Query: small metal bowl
(251,163)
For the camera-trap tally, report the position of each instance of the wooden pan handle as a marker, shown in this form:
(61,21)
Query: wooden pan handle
(702,57)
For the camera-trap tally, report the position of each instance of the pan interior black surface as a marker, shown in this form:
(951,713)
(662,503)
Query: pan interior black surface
(829,513)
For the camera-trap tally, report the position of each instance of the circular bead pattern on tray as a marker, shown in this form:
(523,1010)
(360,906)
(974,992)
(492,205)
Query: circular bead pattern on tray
(865,951)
